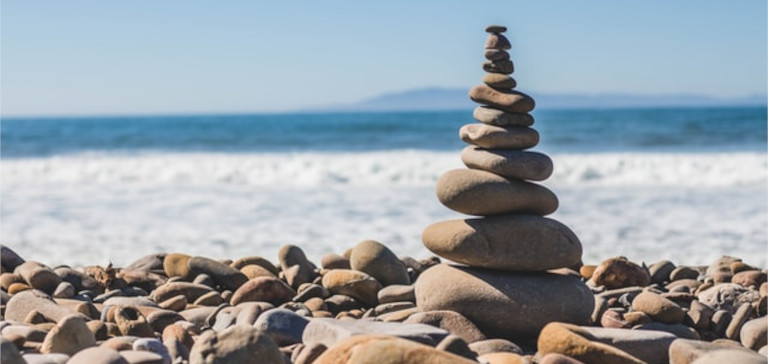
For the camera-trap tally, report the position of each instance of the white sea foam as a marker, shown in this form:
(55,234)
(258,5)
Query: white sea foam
(395,168)
(80,209)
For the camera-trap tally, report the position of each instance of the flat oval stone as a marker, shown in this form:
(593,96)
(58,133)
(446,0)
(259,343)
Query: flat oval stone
(576,342)
(451,321)
(475,192)
(496,54)
(356,284)
(504,67)
(490,115)
(97,355)
(658,308)
(511,164)
(265,289)
(223,274)
(38,276)
(497,41)
(504,304)
(499,137)
(495,28)
(172,289)
(499,81)
(382,349)
(378,261)
(511,101)
(619,272)
(236,344)
(509,242)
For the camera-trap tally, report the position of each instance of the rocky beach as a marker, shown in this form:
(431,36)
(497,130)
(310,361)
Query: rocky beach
(506,285)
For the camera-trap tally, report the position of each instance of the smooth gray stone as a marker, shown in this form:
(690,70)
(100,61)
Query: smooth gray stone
(284,326)
(328,331)
(649,346)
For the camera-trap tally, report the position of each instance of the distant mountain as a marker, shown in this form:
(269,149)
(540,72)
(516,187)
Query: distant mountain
(456,99)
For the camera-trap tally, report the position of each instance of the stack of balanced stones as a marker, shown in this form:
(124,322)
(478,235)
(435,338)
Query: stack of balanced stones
(503,284)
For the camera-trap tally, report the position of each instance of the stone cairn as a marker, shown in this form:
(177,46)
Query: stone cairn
(505,287)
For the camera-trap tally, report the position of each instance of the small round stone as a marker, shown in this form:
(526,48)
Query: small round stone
(495,29)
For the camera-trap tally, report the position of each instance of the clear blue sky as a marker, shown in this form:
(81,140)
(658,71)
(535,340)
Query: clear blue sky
(140,57)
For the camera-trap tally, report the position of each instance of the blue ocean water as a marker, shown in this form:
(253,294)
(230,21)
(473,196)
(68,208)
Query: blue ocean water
(680,129)
(685,184)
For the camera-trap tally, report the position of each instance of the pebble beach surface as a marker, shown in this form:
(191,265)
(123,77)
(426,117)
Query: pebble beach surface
(368,305)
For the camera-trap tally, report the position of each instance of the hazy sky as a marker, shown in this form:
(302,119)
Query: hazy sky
(139,57)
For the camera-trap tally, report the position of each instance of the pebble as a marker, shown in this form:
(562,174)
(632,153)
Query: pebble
(647,345)
(9,259)
(699,315)
(191,291)
(396,293)
(70,335)
(142,357)
(749,278)
(504,67)
(501,304)
(727,296)
(741,316)
(619,272)
(38,276)
(456,345)
(329,331)
(658,308)
(379,262)
(660,271)
(222,274)
(284,326)
(175,265)
(683,272)
(554,358)
(131,322)
(236,344)
(498,137)
(55,358)
(574,341)
(495,29)
(490,115)
(541,243)
(503,358)
(255,260)
(686,351)
(295,265)
(451,321)
(488,346)
(265,289)
(496,54)
(97,355)
(497,41)
(476,192)
(510,101)
(731,356)
(356,284)
(511,164)
(384,349)
(721,265)
(754,333)
(23,303)
(64,290)
(334,261)
(499,81)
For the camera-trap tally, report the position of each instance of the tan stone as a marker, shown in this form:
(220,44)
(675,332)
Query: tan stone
(511,101)
(505,242)
(511,164)
(503,304)
(577,343)
(475,192)
(499,81)
(386,349)
(356,284)
(619,272)
(498,137)
(493,116)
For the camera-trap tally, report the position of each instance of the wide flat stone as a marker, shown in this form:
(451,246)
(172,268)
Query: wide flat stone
(476,192)
(511,164)
(328,331)
(499,137)
(386,349)
(493,116)
(504,304)
(510,101)
(576,342)
(505,242)
(647,345)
